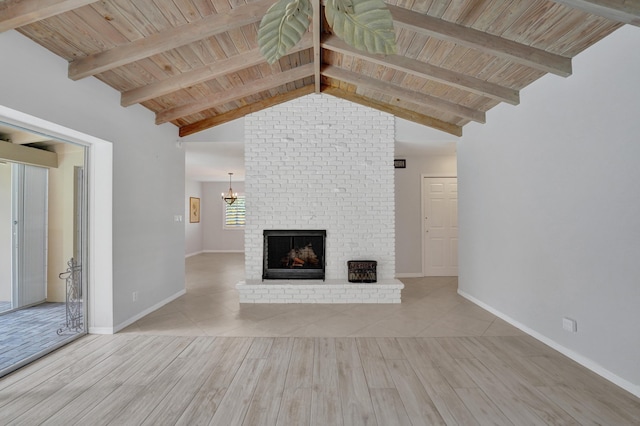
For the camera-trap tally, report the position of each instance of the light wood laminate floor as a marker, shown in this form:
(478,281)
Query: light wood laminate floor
(156,375)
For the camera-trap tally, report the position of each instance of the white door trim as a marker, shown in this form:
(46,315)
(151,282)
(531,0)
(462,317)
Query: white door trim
(100,226)
(422,212)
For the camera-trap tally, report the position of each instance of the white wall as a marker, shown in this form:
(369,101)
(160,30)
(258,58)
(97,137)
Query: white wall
(5,232)
(148,179)
(408,190)
(215,237)
(550,209)
(192,231)
(320,162)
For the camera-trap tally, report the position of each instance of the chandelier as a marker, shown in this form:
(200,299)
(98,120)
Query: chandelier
(230,197)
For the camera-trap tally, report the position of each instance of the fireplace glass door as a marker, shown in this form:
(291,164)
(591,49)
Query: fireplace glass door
(294,254)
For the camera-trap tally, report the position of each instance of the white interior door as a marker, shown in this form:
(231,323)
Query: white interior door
(440,239)
(29,234)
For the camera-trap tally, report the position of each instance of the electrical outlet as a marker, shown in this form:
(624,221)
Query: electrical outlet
(569,325)
(134,296)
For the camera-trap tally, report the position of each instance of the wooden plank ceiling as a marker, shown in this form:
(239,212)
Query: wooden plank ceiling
(196,64)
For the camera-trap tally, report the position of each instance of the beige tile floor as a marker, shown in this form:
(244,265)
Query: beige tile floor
(430,308)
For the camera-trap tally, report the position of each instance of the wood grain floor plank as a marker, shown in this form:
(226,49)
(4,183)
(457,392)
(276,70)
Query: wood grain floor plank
(389,408)
(573,375)
(530,346)
(203,358)
(260,347)
(389,348)
(479,351)
(523,346)
(101,408)
(483,409)
(373,363)
(357,408)
(434,351)
(50,398)
(583,407)
(528,370)
(295,408)
(300,373)
(51,361)
(267,398)
(164,357)
(517,382)
(420,408)
(104,410)
(205,403)
(94,378)
(454,347)
(158,380)
(14,404)
(414,353)
(237,399)
(297,388)
(45,368)
(76,409)
(326,408)
(447,402)
(508,402)
(156,384)
(199,346)
(456,377)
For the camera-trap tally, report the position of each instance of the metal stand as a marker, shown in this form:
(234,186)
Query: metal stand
(73,303)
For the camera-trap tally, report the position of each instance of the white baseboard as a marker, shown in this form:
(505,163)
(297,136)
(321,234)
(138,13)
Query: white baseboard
(409,275)
(580,359)
(138,316)
(212,251)
(101,330)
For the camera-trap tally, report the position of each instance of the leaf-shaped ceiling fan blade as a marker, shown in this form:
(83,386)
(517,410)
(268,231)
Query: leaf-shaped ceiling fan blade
(364,24)
(282,27)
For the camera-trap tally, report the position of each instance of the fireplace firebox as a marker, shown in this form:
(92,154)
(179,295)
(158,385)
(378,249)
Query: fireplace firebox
(294,254)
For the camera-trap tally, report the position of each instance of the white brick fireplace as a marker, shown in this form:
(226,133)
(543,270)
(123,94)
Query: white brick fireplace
(319,162)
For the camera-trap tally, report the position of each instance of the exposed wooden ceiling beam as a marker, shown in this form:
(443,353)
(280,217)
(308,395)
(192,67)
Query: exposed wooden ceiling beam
(416,117)
(625,11)
(207,123)
(317,54)
(169,39)
(481,41)
(202,74)
(256,86)
(17,13)
(397,91)
(427,71)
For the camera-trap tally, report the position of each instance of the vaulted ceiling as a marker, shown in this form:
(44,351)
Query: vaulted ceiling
(196,63)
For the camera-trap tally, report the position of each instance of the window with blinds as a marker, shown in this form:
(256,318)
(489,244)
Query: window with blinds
(234,214)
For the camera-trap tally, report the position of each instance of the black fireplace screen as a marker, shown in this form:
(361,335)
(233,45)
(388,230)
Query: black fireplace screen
(294,254)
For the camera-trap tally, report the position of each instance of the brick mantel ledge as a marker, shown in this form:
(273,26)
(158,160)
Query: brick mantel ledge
(318,291)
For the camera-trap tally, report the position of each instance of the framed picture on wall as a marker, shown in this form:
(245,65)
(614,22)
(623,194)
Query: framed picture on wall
(194,210)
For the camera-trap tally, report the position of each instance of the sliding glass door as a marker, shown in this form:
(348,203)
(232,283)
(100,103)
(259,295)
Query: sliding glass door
(43,251)
(29,235)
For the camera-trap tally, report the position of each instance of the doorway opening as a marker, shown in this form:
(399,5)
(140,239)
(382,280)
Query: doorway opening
(97,287)
(43,228)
